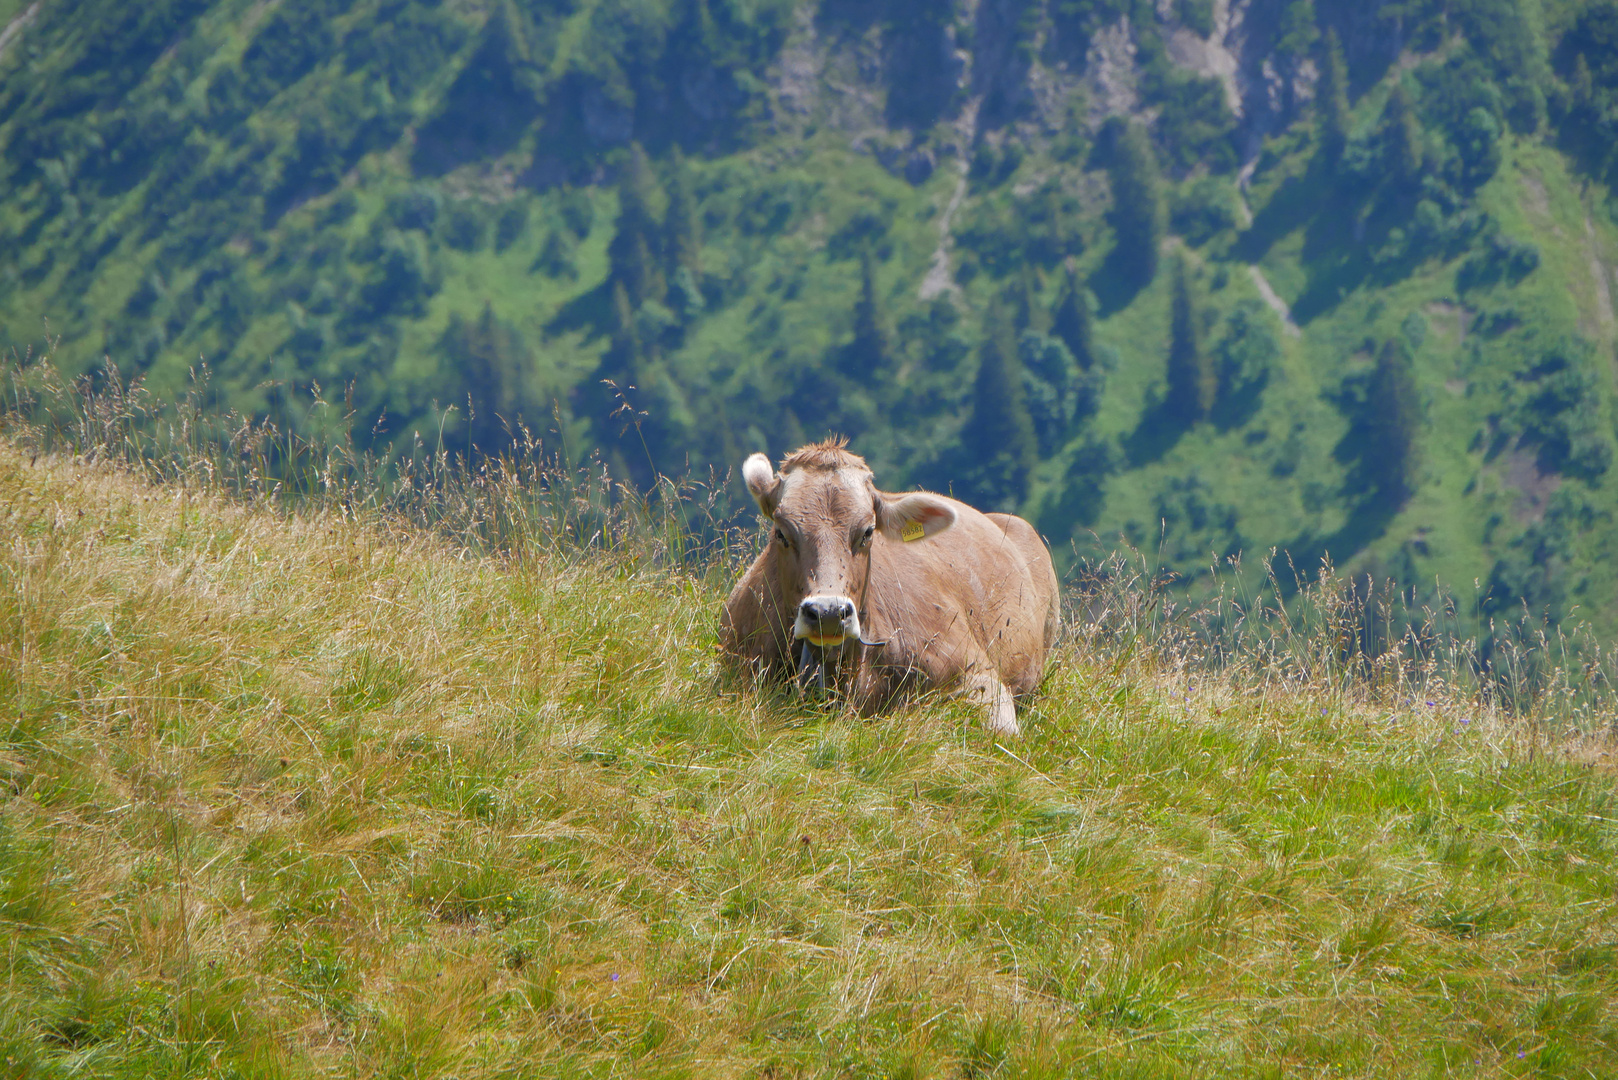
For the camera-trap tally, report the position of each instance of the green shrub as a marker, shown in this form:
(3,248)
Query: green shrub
(1204,209)
(465,228)
(1557,409)
(1198,16)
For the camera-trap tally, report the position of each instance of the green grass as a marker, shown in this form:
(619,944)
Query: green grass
(300,795)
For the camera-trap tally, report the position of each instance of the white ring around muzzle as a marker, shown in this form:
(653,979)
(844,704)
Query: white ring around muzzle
(815,631)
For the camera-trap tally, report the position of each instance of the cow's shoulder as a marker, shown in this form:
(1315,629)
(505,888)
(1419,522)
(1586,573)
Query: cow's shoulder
(751,624)
(1010,524)
(938,580)
(1021,534)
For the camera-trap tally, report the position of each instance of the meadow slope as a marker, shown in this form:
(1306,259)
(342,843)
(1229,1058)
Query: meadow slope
(303,796)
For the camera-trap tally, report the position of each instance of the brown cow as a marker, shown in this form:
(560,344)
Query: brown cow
(889,591)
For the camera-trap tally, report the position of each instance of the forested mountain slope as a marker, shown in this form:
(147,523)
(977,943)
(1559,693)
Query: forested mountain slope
(1213,277)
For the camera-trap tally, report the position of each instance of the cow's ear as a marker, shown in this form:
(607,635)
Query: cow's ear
(913,516)
(762,483)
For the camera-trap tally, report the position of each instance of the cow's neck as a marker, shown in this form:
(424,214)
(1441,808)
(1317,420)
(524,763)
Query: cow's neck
(865,591)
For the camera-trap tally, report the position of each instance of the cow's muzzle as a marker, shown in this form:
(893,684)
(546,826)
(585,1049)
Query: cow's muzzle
(823,624)
(825,621)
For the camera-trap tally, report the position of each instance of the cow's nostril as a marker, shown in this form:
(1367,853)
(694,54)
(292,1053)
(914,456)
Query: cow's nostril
(827,609)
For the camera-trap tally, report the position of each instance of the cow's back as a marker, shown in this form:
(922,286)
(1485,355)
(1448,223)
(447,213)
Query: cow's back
(983,589)
(1041,571)
(1020,656)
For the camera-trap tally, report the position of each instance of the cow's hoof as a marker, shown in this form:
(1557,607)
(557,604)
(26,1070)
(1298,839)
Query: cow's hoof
(1003,722)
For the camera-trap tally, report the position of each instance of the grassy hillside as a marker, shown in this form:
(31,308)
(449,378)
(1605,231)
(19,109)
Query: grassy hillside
(671,232)
(307,795)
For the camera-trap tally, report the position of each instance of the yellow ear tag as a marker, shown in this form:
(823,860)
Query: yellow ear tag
(913,530)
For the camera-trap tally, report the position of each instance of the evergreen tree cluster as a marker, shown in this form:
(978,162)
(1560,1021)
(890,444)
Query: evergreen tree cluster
(1137,204)
(654,278)
(609,219)
(1032,394)
(999,435)
(1332,112)
(490,355)
(1192,383)
(870,352)
(1392,425)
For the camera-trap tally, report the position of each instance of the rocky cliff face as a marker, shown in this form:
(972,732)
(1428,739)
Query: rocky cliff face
(913,94)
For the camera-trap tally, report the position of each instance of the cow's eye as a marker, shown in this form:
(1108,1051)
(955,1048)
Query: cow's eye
(865,537)
(782,537)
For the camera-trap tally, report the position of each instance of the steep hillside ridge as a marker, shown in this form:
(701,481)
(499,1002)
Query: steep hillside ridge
(1328,278)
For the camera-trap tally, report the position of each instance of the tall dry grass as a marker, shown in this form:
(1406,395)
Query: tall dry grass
(1333,636)
(1276,626)
(526,499)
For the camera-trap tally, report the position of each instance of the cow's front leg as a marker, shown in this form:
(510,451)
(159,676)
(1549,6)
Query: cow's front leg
(986,689)
(872,690)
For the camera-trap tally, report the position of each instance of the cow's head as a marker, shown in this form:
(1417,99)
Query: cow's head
(826,512)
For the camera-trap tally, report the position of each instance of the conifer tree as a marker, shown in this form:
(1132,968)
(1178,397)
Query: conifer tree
(622,365)
(1191,377)
(1052,386)
(624,355)
(1332,120)
(505,37)
(556,255)
(698,36)
(1393,419)
(631,252)
(1296,33)
(1401,138)
(490,360)
(871,351)
(642,276)
(1074,321)
(999,436)
(1581,84)
(682,227)
(1023,295)
(1137,203)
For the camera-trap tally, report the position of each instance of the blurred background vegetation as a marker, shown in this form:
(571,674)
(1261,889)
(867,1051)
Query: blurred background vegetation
(1329,279)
